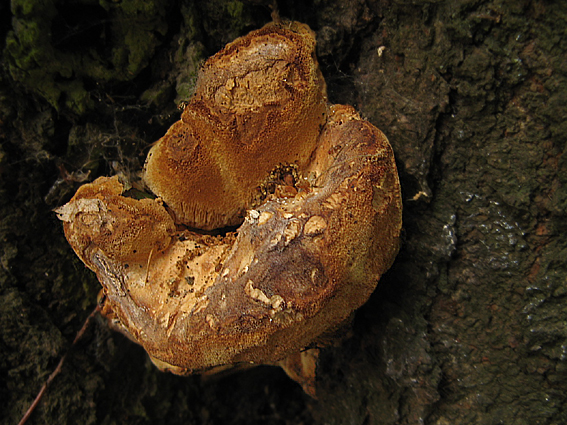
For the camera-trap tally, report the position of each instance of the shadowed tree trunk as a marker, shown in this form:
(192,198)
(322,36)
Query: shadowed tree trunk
(468,326)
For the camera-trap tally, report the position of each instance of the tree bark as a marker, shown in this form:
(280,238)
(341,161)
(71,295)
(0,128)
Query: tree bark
(468,326)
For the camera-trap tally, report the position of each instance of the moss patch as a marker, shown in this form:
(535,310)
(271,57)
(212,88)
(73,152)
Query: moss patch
(59,49)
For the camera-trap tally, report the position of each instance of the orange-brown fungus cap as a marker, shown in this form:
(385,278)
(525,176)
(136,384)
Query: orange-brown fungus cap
(303,259)
(259,102)
(125,228)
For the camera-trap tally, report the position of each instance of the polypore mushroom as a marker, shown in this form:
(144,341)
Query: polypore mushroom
(259,102)
(303,259)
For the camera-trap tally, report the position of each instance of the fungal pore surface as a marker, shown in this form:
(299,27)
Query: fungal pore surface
(310,189)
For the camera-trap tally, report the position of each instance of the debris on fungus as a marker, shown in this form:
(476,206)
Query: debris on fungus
(304,256)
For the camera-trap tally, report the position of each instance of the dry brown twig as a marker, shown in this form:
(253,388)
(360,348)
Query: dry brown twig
(59,367)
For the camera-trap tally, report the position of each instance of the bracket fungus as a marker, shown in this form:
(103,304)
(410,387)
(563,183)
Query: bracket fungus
(259,102)
(313,188)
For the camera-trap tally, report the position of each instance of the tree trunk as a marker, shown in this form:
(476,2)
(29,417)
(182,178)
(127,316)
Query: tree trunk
(468,326)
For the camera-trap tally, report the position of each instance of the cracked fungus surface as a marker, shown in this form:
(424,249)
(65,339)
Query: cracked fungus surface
(313,188)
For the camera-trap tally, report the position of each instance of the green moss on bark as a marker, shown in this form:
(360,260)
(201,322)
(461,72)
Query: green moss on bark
(56,49)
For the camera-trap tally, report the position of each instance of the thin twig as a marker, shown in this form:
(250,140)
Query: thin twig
(148,266)
(58,368)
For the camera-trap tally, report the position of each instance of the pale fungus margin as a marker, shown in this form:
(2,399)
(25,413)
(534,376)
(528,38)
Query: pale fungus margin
(313,188)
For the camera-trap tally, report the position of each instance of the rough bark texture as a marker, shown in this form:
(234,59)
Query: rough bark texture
(469,324)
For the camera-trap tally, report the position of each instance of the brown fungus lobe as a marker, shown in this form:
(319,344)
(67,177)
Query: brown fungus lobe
(259,102)
(301,261)
(99,217)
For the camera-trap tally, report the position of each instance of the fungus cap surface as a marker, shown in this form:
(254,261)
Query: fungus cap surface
(98,217)
(259,102)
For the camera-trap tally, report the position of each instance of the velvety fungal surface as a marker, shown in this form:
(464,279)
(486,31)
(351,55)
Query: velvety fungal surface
(259,102)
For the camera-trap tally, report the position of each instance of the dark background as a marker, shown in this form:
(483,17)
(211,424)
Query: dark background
(469,325)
